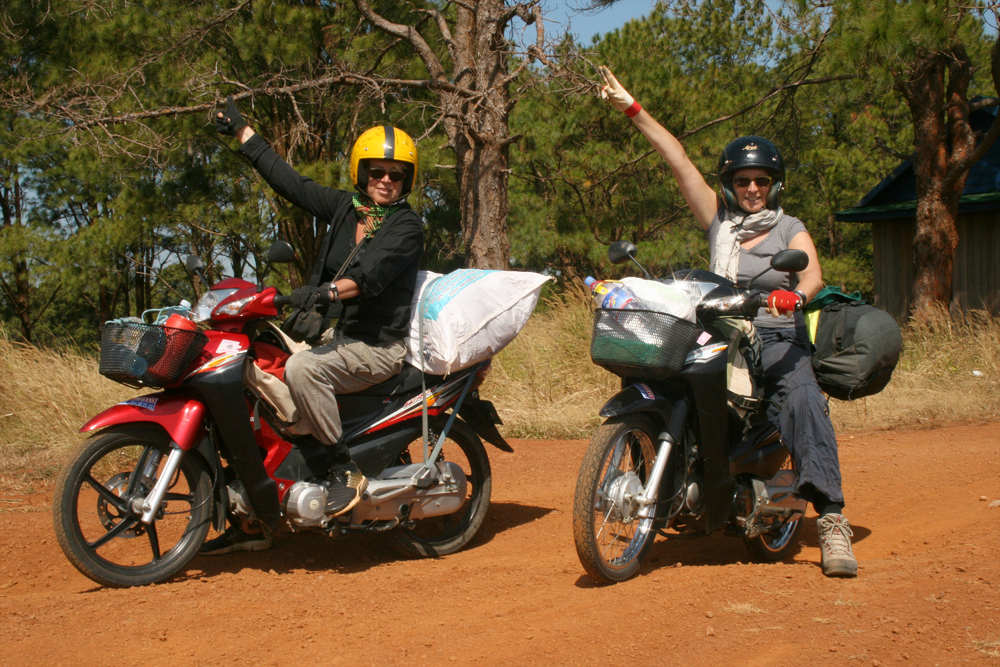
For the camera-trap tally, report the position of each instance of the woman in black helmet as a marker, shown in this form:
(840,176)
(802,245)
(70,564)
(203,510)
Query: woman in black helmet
(364,280)
(745,227)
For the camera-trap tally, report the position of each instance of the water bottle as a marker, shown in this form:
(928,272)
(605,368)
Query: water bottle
(184,310)
(611,294)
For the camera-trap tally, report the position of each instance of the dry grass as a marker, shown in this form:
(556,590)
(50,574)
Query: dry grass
(949,372)
(988,647)
(543,385)
(45,397)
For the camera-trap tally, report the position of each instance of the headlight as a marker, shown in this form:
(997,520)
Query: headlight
(234,307)
(208,301)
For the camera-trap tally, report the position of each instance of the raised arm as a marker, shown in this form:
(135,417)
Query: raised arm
(699,195)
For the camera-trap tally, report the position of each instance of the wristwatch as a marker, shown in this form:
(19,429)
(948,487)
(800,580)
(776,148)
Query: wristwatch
(334,292)
(802,297)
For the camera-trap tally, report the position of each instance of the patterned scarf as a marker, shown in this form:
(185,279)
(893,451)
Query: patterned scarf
(734,230)
(373,214)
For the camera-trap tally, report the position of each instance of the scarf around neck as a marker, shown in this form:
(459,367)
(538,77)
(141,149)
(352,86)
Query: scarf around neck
(373,214)
(734,229)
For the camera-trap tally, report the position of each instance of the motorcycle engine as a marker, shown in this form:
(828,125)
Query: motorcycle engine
(305,503)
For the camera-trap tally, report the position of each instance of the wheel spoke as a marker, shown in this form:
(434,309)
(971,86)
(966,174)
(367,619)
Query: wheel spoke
(135,479)
(154,541)
(125,524)
(110,497)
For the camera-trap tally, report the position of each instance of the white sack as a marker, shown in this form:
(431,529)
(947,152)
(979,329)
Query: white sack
(469,315)
(662,298)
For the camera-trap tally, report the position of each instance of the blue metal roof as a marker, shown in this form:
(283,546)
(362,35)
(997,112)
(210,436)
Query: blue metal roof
(895,196)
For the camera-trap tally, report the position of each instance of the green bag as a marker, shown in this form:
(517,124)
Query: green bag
(856,346)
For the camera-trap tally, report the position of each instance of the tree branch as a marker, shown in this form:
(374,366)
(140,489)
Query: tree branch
(892,151)
(768,95)
(408,33)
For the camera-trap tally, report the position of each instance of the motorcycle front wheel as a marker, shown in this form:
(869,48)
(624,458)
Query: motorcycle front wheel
(446,534)
(96,511)
(611,540)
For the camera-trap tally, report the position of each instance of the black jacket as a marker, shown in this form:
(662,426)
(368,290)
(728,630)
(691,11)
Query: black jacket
(385,268)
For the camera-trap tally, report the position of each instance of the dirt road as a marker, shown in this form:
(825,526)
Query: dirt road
(927,534)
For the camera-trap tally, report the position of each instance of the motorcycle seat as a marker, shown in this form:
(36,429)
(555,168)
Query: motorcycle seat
(408,381)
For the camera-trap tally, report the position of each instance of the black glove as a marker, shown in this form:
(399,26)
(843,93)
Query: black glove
(231,121)
(304,326)
(308,297)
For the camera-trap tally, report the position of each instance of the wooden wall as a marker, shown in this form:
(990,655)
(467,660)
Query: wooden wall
(892,247)
(976,277)
(976,271)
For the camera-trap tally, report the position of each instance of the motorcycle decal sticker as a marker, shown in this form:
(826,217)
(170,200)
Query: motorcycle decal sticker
(142,402)
(218,362)
(227,346)
(645,391)
(706,353)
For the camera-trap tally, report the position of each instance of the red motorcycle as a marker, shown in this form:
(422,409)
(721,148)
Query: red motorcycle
(134,504)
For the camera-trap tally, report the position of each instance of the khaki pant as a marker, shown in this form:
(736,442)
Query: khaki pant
(338,366)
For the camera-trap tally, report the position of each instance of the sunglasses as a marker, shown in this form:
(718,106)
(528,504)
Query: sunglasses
(377,173)
(744,182)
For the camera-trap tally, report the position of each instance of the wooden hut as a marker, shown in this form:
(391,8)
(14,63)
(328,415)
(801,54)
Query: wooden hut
(890,207)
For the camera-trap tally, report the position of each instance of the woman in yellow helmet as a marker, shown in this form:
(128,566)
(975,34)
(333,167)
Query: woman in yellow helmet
(369,300)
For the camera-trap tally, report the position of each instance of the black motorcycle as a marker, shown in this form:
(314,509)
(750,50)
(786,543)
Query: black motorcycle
(685,449)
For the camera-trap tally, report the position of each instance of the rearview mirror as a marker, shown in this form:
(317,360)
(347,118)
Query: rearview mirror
(790,261)
(621,251)
(193,264)
(281,252)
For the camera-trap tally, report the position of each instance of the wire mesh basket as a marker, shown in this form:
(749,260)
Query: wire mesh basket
(641,343)
(147,355)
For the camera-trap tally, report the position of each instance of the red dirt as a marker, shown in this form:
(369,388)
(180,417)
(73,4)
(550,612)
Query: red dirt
(928,592)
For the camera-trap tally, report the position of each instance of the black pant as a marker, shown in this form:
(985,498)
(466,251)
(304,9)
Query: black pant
(799,410)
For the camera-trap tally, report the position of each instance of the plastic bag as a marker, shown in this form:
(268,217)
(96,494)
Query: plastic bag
(468,315)
(663,298)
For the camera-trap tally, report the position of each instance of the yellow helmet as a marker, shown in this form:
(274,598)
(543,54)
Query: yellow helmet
(384,142)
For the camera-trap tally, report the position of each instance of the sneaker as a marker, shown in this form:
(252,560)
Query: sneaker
(232,540)
(345,491)
(835,545)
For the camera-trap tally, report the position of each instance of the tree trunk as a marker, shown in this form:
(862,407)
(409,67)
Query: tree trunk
(935,89)
(479,135)
(18,288)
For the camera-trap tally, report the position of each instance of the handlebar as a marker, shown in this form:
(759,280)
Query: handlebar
(282,299)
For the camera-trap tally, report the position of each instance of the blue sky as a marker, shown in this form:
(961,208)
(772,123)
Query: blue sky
(586,25)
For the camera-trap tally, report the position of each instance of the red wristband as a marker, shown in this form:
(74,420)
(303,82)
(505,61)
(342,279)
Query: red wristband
(633,110)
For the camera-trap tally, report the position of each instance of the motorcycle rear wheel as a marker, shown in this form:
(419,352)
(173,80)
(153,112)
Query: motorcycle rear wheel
(610,540)
(443,535)
(773,546)
(98,527)
(780,540)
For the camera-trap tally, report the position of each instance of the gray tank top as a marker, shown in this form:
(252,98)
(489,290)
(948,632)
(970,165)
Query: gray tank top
(758,258)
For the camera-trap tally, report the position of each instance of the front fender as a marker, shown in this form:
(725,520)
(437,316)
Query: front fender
(182,417)
(638,397)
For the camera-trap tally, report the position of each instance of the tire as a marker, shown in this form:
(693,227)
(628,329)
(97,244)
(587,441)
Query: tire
(446,534)
(771,547)
(610,542)
(780,539)
(99,532)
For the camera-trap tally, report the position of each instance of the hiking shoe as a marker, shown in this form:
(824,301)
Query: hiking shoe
(347,485)
(232,540)
(835,545)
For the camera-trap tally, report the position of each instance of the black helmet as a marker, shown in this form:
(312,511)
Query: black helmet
(748,153)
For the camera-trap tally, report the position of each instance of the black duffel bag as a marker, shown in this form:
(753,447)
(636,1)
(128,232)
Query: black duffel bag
(856,345)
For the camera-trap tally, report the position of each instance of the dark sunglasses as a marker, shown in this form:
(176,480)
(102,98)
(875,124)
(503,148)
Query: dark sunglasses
(744,182)
(378,174)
